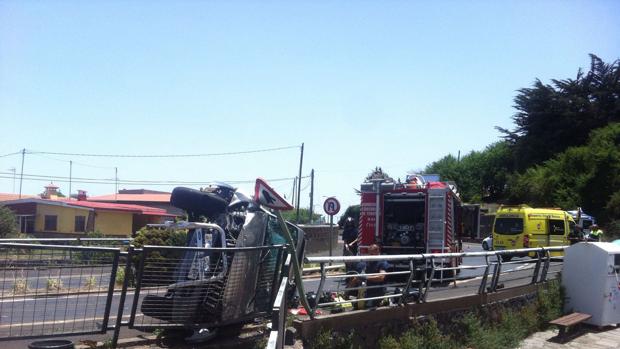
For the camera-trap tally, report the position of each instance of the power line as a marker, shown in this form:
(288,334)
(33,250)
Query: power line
(84,180)
(161,156)
(9,154)
(68,161)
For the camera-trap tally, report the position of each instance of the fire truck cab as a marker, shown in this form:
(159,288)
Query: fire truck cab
(421,215)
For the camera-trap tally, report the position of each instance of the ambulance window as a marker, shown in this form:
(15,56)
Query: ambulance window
(556,227)
(508,226)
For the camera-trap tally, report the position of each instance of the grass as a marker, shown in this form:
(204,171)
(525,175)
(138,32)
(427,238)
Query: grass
(54,284)
(90,282)
(492,327)
(120,277)
(20,286)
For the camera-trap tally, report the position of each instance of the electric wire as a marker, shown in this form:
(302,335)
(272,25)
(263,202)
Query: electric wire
(66,179)
(9,154)
(70,161)
(162,155)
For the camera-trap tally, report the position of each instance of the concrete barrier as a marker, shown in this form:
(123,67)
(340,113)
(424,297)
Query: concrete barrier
(317,240)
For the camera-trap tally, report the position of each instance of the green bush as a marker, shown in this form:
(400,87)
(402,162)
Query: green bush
(8,224)
(120,276)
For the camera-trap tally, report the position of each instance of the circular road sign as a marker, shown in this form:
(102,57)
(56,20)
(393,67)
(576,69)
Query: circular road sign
(331,206)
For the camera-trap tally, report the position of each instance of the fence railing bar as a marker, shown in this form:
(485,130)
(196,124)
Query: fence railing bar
(59,247)
(121,302)
(108,303)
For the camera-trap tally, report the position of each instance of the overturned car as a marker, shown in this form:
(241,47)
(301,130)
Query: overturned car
(230,270)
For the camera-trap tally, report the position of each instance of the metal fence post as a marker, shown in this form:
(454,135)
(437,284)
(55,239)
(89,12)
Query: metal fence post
(319,291)
(411,276)
(485,277)
(429,280)
(537,266)
(108,304)
(543,276)
(136,297)
(121,301)
(496,272)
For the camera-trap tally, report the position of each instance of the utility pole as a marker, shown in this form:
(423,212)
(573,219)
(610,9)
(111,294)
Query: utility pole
(21,176)
(13,169)
(311,194)
(301,162)
(115,183)
(70,176)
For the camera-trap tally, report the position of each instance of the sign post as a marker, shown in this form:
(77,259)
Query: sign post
(268,197)
(331,207)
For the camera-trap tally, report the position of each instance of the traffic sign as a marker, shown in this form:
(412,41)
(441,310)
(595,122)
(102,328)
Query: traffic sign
(267,196)
(331,206)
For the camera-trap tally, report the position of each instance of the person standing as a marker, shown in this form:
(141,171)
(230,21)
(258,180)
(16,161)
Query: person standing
(596,233)
(349,237)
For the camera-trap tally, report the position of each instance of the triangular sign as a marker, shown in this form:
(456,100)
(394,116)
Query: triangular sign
(267,196)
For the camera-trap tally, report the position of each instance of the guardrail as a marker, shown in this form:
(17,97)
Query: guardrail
(49,290)
(413,277)
(417,281)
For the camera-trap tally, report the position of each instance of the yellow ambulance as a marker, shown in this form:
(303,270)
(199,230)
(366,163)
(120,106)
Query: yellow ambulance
(526,227)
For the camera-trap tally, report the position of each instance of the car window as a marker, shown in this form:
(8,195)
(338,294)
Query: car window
(556,227)
(508,226)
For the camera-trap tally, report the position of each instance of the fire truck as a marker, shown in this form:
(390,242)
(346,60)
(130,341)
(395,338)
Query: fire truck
(421,215)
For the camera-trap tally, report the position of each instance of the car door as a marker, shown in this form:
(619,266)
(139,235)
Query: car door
(557,230)
(538,232)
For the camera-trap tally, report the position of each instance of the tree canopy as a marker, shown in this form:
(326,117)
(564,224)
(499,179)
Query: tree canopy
(563,152)
(550,118)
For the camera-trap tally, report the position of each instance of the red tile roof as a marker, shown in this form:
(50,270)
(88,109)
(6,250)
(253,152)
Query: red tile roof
(108,206)
(9,197)
(120,207)
(164,197)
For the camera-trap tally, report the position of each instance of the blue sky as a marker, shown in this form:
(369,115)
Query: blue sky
(396,84)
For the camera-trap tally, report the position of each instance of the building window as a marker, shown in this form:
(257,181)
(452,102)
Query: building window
(51,223)
(80,224)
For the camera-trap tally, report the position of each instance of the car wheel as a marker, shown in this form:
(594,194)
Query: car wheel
(485,246)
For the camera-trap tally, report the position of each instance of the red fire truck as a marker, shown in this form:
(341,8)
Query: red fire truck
(421,215)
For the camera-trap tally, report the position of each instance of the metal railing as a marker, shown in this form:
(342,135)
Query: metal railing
(207,287)
(418,278)
(280,309)
(58,289)
(51,290)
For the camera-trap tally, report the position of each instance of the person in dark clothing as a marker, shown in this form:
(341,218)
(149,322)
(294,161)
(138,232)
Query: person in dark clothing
(374,267)
(349,237)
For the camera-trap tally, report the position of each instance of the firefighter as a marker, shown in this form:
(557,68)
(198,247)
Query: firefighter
(374,281)
(349,237)
(596,233)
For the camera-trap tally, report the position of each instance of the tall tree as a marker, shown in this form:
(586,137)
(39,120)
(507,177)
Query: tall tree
(586,176)
(552,117)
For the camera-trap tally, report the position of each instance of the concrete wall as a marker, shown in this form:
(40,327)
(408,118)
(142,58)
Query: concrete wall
(370,325)
(317,240)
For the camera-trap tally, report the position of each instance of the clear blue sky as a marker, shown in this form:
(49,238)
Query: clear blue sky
(396,84)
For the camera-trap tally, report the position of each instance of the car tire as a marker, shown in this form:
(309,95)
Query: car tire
(485,246)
